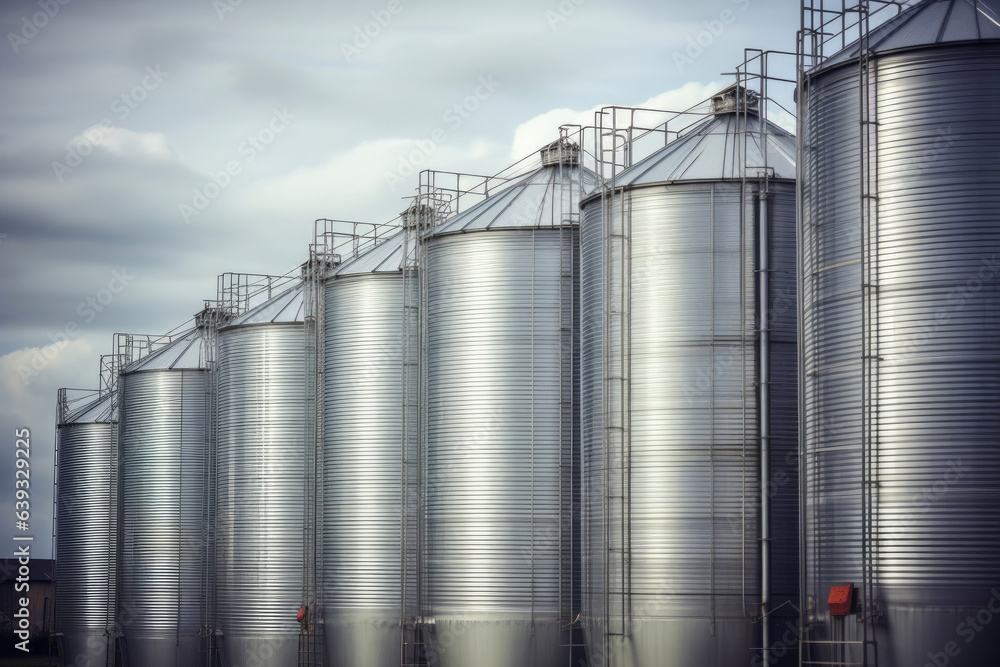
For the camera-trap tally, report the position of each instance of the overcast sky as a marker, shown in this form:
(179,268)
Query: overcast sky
(146,147)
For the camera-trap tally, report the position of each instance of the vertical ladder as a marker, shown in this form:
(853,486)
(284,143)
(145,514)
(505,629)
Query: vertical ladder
(806,54)
(567,216)
(867,86)
(62,409)
(416,220)
(113,506)
(311,632)
(209,493)
(616,208)
(827,23)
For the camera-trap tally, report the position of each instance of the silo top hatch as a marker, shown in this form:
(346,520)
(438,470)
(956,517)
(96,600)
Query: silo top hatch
(927,23)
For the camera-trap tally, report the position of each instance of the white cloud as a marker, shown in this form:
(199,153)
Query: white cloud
(127,143)
(544,128)
(26,374)
(367,182)
(122,142)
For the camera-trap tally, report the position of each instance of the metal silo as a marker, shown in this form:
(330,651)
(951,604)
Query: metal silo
(501,331)
(900,349)
(261,450)
(87,505)
(164,441)
(688,341)
(363,490)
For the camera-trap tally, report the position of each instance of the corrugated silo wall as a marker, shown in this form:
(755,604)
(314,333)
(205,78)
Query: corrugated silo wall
(163,441)
(902,354)
(362,577)
(261,450)
(87,538)
(694,499)
(499,448)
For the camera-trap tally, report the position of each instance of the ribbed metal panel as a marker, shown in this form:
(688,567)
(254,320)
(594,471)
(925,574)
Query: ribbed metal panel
(784,455)
(363,468)
(933,339)
(261,449)
(592,424)
(693,506)
(87,537)
(496,433)
(163,448)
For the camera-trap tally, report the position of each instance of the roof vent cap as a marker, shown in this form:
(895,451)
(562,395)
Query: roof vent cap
(735,99)
(560,151)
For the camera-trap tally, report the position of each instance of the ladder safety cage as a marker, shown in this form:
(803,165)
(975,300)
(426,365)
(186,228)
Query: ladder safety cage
(334,242)
(619,137)
(416,220)
(826,28)
(756,76)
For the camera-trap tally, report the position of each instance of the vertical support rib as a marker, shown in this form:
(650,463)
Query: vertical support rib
(764,352)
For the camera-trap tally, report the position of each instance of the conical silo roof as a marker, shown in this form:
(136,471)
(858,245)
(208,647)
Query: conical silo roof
(927,23)
(189,351)
(714,149)
(99,410)
(285,308)
(531,201)
(386,257)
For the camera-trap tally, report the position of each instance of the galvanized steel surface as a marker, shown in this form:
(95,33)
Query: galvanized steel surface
(363,470)
(261,450)
(543,198)
(930,422)
(721,147)
(692,507)
(497,433)
(927,23)
(87,531)
(386,257)
(282,308)
(164,422)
